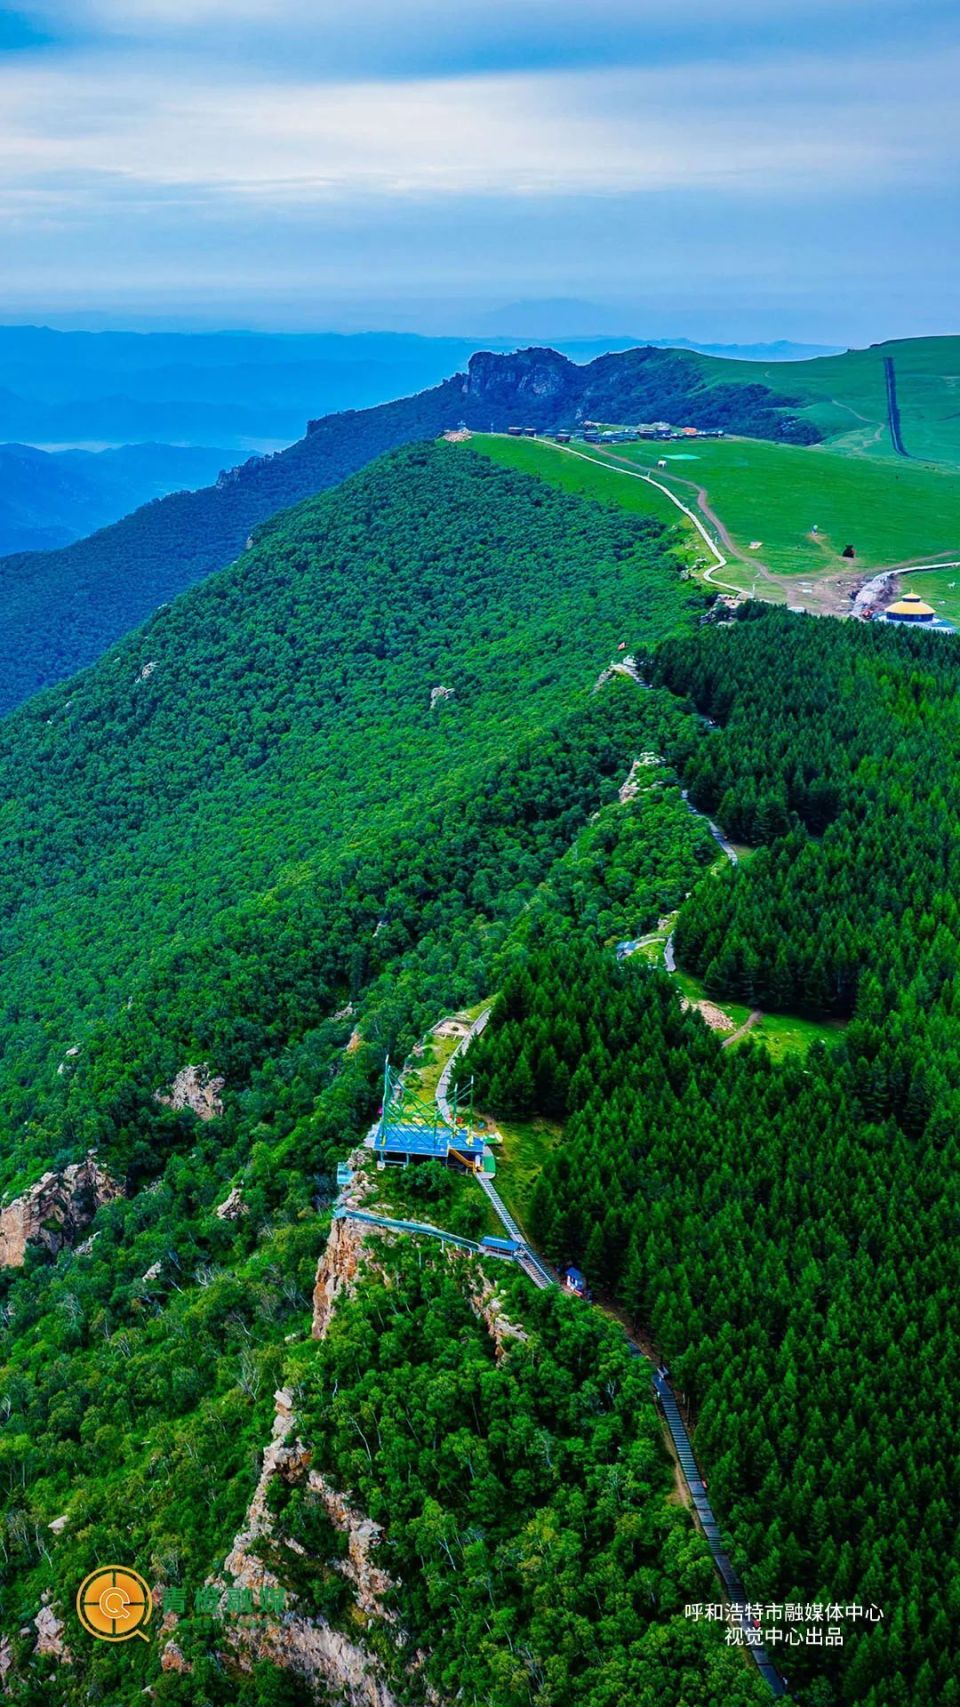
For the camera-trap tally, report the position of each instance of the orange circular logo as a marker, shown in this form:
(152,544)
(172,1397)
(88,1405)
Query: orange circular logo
(113,1602)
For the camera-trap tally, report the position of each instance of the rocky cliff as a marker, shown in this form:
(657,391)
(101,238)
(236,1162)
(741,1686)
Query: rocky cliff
(310,1647)
(338,1268)
(540,379)
(541,388)
(55,1210)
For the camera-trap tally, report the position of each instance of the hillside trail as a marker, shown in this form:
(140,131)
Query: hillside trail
(754,1019)
(829,595)
(687,1472)
(702,497)
(720,562)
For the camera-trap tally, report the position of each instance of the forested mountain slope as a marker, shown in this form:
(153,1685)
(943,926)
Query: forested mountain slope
(343,679)
(253,840)
(787,1233)
(102,586)
(364,776)
(48,500)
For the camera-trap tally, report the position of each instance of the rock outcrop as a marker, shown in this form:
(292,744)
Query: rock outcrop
(363,1537)
(173,1658)
(50,1640)
(631,788)
(55,1210)
(196,1088)
(232,1207)
(308,1646)
(525,376)
(486,1302)
(338,1268)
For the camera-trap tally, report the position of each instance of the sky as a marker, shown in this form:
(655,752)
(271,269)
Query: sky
(734,170)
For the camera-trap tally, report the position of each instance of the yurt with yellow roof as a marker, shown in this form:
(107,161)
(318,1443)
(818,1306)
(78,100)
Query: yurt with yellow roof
(911,608)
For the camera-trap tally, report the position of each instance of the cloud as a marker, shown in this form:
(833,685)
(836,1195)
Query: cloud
(763,130)
(352,39)
(182,144)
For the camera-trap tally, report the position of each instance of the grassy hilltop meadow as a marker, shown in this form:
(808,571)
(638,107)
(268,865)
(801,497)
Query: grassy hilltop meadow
(781,517)
(845,396)
(377,768)
(804,469)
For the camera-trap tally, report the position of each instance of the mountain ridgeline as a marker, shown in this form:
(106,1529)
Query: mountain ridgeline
(60,610)
(371,773)
(49,499)
(265,840)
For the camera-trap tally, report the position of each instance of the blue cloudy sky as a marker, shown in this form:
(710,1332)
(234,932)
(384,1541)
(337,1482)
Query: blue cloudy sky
(726,169)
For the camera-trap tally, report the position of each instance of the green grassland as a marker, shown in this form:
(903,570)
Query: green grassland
(785,1034)
(546,461)
(520,1158)
(890,512)
(845,396)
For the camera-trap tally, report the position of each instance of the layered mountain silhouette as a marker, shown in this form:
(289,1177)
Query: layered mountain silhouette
(60,610)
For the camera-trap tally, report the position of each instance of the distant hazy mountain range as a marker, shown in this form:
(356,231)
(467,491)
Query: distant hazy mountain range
(564,321)
(49,499)
(248,391)
(104,584)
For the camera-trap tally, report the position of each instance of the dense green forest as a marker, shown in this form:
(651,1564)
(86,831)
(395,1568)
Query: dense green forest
(242,837)
(178,823)
(787,1233)
(525,1496)
(370,773)
(60,610)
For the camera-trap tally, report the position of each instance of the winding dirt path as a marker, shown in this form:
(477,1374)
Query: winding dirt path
(827,594)
(754,1019)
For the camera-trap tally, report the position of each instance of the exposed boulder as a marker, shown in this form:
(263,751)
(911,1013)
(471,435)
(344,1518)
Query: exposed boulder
(50,1640)
(54,1210)
(232,1207)
(196,1088)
